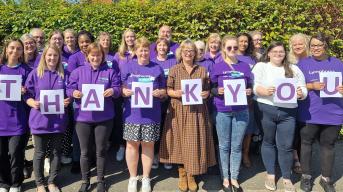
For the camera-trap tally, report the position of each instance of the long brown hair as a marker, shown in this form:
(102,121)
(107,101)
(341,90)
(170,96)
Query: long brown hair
(285,63)
(4,58)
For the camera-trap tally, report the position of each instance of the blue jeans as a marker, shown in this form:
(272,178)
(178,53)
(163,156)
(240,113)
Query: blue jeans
(231,128)
(278,126)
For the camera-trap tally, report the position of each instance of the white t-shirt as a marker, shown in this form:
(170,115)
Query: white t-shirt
(266,73)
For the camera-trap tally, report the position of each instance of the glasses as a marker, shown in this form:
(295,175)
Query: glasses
(278,52)
(190,51)
(317,46)
(257,40)
(235,48)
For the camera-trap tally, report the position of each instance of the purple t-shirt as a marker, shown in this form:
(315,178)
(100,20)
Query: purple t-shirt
(220,72)
(122,61)
(216,59)
(67,52)
(246,59)
(13,114)
(34,61)
(207,63)
(133,72)
(45,123)
(76,60)
(172,51)
(316,110)
(167,64)
(87,75)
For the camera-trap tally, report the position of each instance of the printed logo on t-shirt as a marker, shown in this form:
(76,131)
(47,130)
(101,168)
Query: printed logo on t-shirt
(146,79)
(103,79)
(64,64)
(166,72)
(109,64)
(170,53)
(233,74)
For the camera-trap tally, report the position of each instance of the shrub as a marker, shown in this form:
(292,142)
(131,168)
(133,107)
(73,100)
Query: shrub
(277,19)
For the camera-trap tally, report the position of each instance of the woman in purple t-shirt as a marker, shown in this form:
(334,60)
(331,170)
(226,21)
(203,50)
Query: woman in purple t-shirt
(46,128)
(13,124)
(141,125)
(213,47)
(231,121)
(323,116)
(125,51)
(30,49)
(245,54)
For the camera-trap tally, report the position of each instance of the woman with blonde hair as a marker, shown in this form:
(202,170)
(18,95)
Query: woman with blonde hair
(70,46)
(231,121)
(126,48)
(49,75)
(298,50)
(187,135)
(212,50)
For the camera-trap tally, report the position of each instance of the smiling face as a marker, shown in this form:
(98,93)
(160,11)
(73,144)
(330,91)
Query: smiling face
(257,40)
(51,58)
(84,41)
(165,32)
(162,48)
(95,57)
(317,48)
(213,45)
(130,38)
(243,43)
(201,51)
(57,39)
(14,51)
(230,48)
(105,41)
(69,39)
(38,35)
(29,46)
(188,54)
(298,46)
(277,55)
(143,55)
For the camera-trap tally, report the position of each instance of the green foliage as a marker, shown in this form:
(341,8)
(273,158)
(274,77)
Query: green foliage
(277,19)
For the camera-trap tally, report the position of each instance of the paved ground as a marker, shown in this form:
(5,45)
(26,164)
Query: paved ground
(252,180)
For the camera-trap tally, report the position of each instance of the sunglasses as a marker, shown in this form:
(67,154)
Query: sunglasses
(235,48)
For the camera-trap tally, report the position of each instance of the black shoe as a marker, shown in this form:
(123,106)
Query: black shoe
(227,189)
(306,184)
(327,185)
(101,187)
(27,171)
(235,189)
(75,167)
(85,187)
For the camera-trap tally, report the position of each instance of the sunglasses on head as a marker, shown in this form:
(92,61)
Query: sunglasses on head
(235,48)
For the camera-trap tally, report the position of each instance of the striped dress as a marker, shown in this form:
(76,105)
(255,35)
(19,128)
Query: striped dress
(187,135)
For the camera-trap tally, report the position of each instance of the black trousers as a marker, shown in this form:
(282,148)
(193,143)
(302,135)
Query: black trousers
(41,144)
(12,160)
(327,136)
(100,133)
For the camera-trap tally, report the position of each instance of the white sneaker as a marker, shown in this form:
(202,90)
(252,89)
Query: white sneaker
(15,189)
(66,160)
(2,189)
(132,186)
(155,162)
(47,165)
(120,153)
(168,166)
(146,184)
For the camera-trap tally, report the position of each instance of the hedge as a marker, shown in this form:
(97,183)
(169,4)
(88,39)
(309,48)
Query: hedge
(277,19)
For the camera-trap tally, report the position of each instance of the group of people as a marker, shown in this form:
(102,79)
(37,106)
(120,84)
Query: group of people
(169,131)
